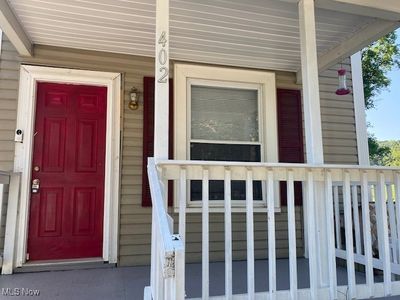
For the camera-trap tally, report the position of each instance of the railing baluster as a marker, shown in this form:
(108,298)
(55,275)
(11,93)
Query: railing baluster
(271,235)
(179,288)
(397,194)
(312,247)
(366,221)
(160,278)
(250,234)
(182,227)
(228,235)
(337,217)
(392,222)
(154,253)
(331,233)
(292,236)
(378,220)
(356,218)
(351,279)
(2,197)
(157,288)
(384,234)
(182,204)
(205,238)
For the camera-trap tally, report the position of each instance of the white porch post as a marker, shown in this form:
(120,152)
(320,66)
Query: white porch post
(161,91)
(359,109)
(161,115)
(316,235)
(309,71)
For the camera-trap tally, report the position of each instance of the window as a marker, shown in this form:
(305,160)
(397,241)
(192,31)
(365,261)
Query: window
(230,115)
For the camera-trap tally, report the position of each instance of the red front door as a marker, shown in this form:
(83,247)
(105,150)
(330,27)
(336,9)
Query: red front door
(66,212)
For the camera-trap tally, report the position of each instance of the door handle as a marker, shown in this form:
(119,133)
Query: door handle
(35,185)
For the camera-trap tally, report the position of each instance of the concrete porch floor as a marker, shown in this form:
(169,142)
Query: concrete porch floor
(128,282)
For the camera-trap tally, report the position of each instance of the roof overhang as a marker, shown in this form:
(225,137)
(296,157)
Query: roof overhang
(257,34)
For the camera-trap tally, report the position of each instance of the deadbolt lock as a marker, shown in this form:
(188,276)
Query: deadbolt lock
(35,186)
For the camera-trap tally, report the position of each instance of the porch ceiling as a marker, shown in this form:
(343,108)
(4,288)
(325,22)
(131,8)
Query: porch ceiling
(257,34)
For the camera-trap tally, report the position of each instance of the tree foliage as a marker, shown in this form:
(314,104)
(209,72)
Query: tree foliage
(393,157)
(385,153)
(377,60)
(378,153)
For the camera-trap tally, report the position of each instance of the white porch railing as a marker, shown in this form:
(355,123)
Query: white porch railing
(333,194)
(167,250)
(13,182)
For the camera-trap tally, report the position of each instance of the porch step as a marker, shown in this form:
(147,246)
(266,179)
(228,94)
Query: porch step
(63,265)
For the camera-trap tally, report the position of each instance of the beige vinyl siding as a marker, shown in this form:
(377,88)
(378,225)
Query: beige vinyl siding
(135,227)
(338,120)
(9,74)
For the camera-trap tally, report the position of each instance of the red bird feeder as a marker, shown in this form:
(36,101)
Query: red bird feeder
(342,89)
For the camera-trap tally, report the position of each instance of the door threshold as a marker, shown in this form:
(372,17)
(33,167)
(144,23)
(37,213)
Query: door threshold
(63,265)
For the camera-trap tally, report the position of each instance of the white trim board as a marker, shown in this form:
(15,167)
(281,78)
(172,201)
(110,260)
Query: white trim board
(359,110)
(12,27)
(29,75)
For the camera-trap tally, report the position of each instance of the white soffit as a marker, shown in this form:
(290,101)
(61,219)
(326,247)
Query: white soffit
(258,34)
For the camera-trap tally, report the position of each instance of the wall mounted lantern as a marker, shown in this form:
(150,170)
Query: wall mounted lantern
(342,88)
(134,99)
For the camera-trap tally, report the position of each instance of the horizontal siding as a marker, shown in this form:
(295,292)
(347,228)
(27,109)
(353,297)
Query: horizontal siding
(134,240)
(9,74)
(337,116)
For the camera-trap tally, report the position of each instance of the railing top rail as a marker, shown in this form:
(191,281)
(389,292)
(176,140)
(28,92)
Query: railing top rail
(159,209)
(270,165)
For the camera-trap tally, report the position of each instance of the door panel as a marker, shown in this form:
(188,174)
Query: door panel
(84,204)
(66,214)
(86,151)
(50,206)
(54,148)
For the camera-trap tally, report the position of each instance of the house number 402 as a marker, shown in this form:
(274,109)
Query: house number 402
(162,59)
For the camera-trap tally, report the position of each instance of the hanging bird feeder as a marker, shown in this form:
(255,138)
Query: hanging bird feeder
(342,89)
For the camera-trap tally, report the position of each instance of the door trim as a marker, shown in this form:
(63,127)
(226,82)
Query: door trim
(29,75)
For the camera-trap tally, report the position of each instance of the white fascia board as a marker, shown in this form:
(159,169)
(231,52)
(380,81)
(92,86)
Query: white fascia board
(14,30)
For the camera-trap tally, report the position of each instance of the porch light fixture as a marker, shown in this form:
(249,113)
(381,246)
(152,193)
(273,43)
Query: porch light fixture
(342,89)
(134,99)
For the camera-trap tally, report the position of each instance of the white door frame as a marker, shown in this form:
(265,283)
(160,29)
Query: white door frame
(29,76)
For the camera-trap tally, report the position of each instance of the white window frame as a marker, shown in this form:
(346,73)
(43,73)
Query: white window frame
(29,76)
(188,74)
